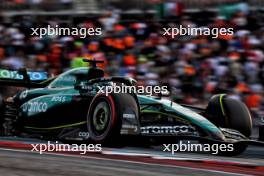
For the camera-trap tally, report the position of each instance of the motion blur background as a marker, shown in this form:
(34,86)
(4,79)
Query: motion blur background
(132,43)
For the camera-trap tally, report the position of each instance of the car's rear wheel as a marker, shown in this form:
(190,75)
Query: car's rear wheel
(105,116)
(230,113)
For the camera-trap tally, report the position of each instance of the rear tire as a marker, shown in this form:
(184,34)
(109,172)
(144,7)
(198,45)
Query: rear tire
(105,116)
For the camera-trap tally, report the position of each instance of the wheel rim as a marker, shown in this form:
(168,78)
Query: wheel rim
(101,118)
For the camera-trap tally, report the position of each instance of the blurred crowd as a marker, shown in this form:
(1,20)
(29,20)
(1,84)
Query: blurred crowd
(35,4)
(194,67)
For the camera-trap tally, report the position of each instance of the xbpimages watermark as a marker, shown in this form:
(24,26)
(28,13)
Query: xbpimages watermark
(194,147)
(147,90)
(65,31)
(195,31)
(58,147)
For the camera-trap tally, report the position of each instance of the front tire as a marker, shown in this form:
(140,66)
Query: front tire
(230,113)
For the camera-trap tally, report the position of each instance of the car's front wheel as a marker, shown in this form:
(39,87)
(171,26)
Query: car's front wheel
(230,113)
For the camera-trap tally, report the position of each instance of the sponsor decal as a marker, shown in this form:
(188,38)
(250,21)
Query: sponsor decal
(34,76)
(87,87)
(129,129)
(178,129)
(35,107)
(84,134)
(10,74)
(58,99)
(129,116)
(134,127)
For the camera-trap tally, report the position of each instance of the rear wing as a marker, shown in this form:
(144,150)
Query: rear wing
(22,78)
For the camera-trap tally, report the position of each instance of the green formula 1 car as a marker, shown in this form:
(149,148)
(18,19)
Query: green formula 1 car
(70,107)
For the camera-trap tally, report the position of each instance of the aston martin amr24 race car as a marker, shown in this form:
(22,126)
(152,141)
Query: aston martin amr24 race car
(69,107)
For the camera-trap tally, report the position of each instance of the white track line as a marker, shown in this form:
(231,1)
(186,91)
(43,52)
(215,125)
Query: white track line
(199,159)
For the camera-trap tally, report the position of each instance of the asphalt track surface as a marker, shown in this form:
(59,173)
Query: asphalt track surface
(19,161)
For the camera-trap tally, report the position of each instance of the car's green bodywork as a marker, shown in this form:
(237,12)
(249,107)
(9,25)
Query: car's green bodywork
(58,108)
(58,105)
